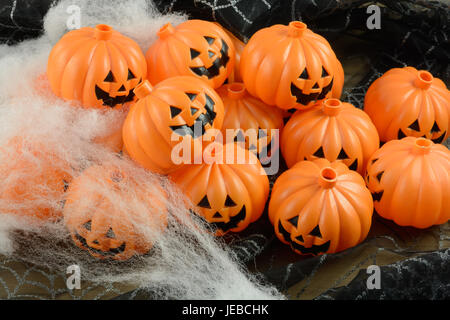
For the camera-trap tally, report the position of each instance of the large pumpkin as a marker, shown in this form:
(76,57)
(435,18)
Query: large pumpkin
(291,67)
(98,67)
(230,187)
(410,182)
(179,108)
(407,102)
(251,121)
(193,48)
(333,130)
(320,207)
(105,229)
(34,180)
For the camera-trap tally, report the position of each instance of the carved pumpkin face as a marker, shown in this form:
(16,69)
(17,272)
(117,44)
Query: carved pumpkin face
(320,207)
(308,73)
(229,196)
(99,226)
(98,67)
(179,107)
(203,50)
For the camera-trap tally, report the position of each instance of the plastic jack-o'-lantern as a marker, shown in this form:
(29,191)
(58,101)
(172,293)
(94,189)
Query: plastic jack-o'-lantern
(34,180)
(410,182)
(333,130)
(230,187)
(291,67)
(320,207)
(102,227)
(193,48)
(251,121)
(98,67)
(179,109)
(407,102)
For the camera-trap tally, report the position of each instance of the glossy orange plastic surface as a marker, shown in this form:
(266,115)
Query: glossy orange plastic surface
(320,207)
(244,112)
(229,195)
(333,130)
(193,48)
(408,102)
(178,110)
(291,67)
(410,182)
(235,75)
(99,67)
(101,227)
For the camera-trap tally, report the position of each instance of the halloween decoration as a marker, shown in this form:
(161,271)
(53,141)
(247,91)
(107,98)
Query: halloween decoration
(193,48)
(243,113)
(31,174)
(410,182)
(230,187)
(179,108)
(291,67)
(103,229)
(98,67)
(333,130)
(407,102)
(320,207)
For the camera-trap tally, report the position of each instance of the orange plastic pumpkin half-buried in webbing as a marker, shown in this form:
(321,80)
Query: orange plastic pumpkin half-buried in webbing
(103,226)
(230,187)
(407,102)
(179,110)
(98,67)
(410,182)
(320,207)
(193,48)
(333,130)
(291,67)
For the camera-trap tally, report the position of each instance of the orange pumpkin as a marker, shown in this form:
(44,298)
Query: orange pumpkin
(410,182)
(230,194)
(179,108)
(333,130)
(320,207)
(251,121)
(235,75)
(98,67)
(34,180)
(291,67)
(407,102)
(193,48)
(104,229)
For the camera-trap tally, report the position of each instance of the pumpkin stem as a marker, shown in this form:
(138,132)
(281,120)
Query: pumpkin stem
(328,177)
(424,79)
(166,30)
(236,90)
(331,107)
(296,28)
(143,89)
(103,32)
(422,145)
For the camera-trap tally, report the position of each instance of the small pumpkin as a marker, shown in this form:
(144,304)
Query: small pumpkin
(320,207)
(230,187)
(410,182)
(98,67)
(34,180)
(251,121)
(409,102)
(193,48)
(104,229)
(291,67)
(333,130)
(184,107)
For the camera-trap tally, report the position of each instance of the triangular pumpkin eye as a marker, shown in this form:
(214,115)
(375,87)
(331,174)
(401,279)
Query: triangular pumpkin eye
(174,111)
(210,54)
(415,125)
(110,234)
(316,86)
(304,75)
(294,221)
(435,128)
(194,53)
(316,232)
(109,77)
(130,75)
(324,72)
(229,202)
(342,155)
(204,203)
(209,39)
(193,111)
(191,96)
(319,153)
